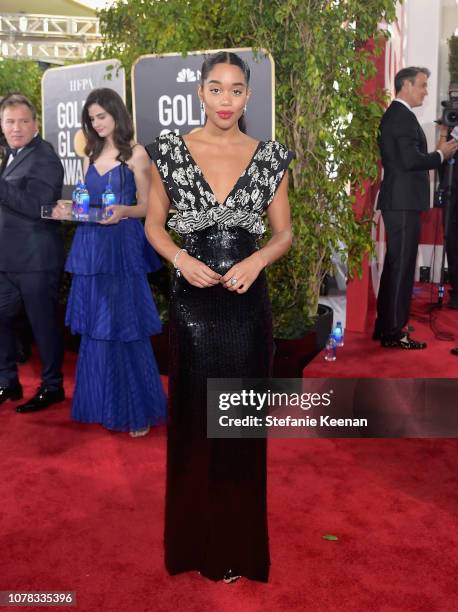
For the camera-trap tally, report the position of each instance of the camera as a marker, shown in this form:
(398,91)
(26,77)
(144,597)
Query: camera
(450,106)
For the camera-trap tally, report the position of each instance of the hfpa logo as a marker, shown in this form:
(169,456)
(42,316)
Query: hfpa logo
(186,75)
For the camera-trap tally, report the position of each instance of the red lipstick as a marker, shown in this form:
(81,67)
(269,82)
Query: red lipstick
(225,114)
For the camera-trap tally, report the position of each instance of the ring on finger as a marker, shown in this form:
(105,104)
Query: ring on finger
(233,281)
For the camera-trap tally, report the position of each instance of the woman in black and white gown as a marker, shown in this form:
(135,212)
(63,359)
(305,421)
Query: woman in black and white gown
(220,182)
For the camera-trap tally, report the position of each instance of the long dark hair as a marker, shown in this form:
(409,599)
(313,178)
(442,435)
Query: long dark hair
(226,57)
(112,103)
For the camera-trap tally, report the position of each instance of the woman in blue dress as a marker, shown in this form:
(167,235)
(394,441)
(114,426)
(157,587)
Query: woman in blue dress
(110,302)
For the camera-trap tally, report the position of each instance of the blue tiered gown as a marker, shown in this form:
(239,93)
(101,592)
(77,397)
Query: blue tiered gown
(111,306)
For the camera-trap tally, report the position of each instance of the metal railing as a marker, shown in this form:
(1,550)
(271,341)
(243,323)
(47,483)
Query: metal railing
(49,38)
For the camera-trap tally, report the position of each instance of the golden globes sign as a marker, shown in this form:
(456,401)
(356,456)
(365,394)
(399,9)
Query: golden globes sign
(164,91)
(64,92)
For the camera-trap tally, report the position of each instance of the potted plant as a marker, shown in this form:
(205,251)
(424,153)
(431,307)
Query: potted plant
(325,116)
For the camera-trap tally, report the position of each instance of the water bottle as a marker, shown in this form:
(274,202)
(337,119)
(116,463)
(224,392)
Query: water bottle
(108,199)
(330,349)
(84,201)
(75,196)
(338,334)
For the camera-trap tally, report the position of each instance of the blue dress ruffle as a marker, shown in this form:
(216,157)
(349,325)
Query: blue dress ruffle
(111,306)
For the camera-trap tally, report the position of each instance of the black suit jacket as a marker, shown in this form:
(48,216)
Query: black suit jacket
(29,243)
(406,161)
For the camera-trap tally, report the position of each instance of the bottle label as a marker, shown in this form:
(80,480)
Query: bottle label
(108,199)
(83,204)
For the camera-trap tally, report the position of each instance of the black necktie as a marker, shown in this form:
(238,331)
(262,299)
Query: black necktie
(14,152)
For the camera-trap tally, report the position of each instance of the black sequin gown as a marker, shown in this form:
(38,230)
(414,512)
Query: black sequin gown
(216,515)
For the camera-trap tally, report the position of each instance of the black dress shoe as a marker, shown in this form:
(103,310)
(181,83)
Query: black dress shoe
(11,392)
(405,342)
(230,576)
(454,351)
(377,333)
(43,398)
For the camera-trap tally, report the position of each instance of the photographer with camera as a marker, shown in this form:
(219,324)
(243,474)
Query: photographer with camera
(448,175)
(404,193)
(448,189)
(451,235)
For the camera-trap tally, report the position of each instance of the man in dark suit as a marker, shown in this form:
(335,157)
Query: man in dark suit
(404,193)
(23,331)
(31,252)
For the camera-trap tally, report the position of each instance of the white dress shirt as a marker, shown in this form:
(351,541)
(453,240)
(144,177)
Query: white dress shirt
(11,157)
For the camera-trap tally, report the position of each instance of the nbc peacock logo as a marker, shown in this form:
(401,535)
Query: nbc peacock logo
(186,75)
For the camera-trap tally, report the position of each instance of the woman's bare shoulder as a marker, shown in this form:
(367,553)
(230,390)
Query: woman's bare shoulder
(249,141)
(197,135)
(138,150)
(139,155)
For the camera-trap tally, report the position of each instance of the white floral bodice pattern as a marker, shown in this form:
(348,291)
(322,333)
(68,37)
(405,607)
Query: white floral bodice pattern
(192,198)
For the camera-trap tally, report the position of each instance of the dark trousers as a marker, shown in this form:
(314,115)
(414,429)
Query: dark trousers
(452,245)
(396,284)
(38,292)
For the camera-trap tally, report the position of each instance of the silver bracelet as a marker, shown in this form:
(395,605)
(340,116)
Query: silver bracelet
(175,259)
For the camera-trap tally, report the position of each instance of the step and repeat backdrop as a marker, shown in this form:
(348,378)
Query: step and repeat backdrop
(164,99)
(164,94)
(64,92)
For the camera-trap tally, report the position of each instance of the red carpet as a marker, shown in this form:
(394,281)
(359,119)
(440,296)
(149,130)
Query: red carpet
(361,357)
(82,510)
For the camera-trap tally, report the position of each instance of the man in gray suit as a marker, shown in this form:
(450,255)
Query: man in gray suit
(31,252)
